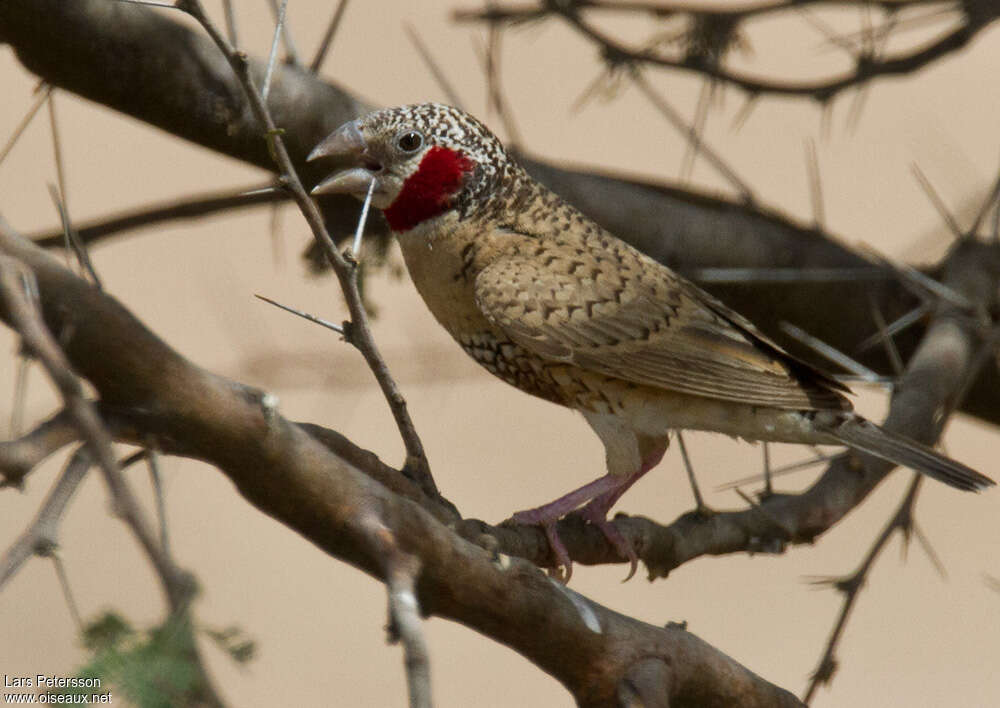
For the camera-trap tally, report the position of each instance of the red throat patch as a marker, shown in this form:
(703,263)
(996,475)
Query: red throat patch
(428,191)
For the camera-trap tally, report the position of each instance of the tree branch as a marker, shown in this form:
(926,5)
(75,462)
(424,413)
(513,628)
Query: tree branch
(713,32)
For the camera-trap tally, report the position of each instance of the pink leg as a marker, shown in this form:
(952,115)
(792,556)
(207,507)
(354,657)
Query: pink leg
(599,496)
(547,515)
(596,511)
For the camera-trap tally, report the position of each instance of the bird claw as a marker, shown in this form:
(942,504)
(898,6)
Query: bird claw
(556,546)
(592,515)
(614,537)
(563,561)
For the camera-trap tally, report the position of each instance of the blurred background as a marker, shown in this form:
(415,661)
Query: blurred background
(915,638)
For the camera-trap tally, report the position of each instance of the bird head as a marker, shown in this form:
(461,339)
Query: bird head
(424,160)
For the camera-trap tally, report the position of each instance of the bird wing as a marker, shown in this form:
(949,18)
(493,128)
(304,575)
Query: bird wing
(609,309)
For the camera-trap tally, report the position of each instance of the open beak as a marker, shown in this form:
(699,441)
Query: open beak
(347,145)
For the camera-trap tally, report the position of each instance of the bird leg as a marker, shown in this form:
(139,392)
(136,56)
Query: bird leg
(547,515)
(596,511)
(598,496)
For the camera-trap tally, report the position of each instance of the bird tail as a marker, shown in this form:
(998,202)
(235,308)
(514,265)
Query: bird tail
(865,436)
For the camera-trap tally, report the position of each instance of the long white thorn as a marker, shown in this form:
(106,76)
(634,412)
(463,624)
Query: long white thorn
(359,234)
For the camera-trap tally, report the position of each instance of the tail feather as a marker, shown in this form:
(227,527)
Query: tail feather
(867,437)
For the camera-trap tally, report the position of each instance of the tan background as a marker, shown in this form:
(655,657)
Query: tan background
(914,640)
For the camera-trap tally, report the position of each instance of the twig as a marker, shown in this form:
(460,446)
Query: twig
(231,34)
(831,353)
(400,570)
(897,326)
(902,519)
(71,241)
(60,195)
(852,584)
(359,333)
(432,66)
(689,133)
(890,345)
(41,537)
(788,275)
(937,201)
(689,468)
(17,285)
(990,201)
(19,457)
(67,590)
(20,394)
(42,91)
(921,284)
(777,472)
(815,185)
(331,31)
(694,139)
(273,55)
(359,232)
(768,489)
(281,18)
(490,57)
(304,315)
(190,207)
(151,3)
(152,458)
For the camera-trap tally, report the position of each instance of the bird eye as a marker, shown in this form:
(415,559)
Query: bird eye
(410,141)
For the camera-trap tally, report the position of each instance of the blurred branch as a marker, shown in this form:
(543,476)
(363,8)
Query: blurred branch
(192,207)
(176,79)
(41,537)
(18,457)
(151,391)
(711,34)
(850,586)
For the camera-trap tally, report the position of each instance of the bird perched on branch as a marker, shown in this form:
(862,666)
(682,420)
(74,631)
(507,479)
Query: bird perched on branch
(553,304)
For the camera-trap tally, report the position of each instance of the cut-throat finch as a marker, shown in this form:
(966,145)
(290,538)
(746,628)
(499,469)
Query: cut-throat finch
(553,304)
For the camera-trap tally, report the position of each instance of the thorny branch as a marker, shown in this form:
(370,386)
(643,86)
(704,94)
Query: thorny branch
(22,307)
(902,520)
(710,35)
(192,207)
(19,457)
(358,330)
(41,537)
(850,586)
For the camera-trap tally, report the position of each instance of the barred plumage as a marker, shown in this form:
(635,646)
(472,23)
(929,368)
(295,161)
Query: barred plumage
(550,302)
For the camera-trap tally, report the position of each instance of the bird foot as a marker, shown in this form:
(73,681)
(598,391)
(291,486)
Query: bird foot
(563,568)
(598,517)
